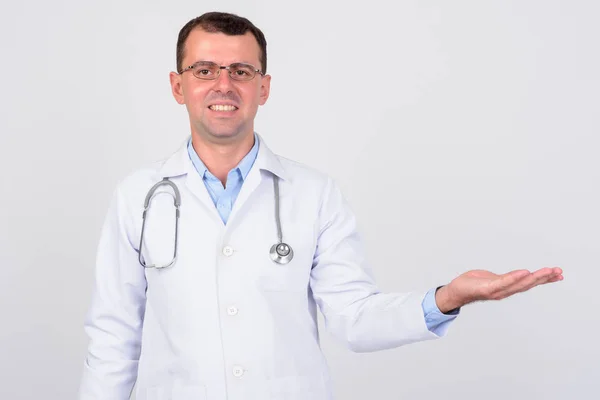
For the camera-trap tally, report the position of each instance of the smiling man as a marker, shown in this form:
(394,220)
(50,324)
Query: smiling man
(223,304)
(221,106)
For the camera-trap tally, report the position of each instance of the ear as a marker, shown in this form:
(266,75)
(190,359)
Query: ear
(265,89)
(176,87)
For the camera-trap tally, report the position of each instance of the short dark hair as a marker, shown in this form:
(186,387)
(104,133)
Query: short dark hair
(229,24)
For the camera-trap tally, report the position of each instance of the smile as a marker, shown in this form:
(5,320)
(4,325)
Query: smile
(222,107)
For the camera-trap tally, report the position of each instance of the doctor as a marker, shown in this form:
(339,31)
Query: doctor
(206,308)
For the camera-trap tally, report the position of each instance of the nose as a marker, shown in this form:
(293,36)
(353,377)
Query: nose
(223,83)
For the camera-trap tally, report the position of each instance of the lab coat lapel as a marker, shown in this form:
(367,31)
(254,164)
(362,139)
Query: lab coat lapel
(197,187)
(252,181)
(265,161)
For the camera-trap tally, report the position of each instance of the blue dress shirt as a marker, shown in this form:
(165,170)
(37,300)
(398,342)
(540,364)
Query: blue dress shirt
(224,198)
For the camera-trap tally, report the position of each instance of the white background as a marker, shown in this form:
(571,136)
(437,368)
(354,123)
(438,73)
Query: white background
(464,134)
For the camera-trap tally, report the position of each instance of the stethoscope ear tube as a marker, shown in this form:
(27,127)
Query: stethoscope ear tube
(176,202)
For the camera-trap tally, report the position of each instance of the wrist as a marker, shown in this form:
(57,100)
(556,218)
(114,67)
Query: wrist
(445,300)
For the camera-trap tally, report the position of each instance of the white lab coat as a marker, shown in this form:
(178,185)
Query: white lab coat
(225,322)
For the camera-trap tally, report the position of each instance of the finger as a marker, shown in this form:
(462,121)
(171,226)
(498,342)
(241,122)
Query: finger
(539,277)
(510,278)
(519,286)
(504,283)
(536,279)
(552,275)
(547,272)
(555,278)
(539,281)
(557,270)
(520,281)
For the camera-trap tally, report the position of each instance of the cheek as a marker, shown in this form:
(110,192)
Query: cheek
(194,98)
(251,96)
(196,93)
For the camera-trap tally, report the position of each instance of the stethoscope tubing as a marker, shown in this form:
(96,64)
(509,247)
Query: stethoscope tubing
(281,253)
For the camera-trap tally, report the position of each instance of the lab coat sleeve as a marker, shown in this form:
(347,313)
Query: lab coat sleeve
(114,321)
(356,312)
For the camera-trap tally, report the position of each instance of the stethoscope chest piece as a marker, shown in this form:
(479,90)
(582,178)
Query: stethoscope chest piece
(281,253)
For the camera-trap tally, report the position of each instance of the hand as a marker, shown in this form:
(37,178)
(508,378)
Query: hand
(480,285)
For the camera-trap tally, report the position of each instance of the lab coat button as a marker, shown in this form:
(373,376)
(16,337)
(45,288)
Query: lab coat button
(232,310)
(228,251)
(238,371)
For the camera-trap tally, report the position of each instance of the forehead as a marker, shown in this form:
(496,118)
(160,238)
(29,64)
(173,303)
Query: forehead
(221,48)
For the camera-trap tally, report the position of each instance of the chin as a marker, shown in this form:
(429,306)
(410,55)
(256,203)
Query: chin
(224,133)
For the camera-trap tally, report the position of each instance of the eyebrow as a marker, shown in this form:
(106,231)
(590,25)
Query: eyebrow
(235,62)
(204,62)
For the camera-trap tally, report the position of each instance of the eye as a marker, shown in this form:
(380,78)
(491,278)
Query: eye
(242,71)
(205,69)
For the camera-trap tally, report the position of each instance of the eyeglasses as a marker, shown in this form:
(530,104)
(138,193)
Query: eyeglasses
(208,70)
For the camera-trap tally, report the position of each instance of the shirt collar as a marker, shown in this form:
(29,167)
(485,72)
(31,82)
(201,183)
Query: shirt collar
(179,163)
(244,166)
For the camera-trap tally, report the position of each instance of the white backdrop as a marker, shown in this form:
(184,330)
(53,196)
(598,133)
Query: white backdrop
(464,134)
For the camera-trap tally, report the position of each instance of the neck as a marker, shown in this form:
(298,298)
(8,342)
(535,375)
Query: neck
(220,158)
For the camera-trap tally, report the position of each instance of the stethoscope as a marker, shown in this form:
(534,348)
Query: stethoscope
(281,252)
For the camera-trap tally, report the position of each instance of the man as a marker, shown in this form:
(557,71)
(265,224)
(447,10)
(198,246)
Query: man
(219,307)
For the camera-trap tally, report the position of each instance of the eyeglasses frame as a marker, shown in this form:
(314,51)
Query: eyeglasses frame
(227,67)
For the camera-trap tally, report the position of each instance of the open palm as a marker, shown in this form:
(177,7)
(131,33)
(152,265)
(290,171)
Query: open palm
(479,284)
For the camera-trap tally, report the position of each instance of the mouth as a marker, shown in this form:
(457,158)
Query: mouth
(222,107)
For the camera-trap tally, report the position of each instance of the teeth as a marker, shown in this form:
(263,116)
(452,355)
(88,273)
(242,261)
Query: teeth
(222,107)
